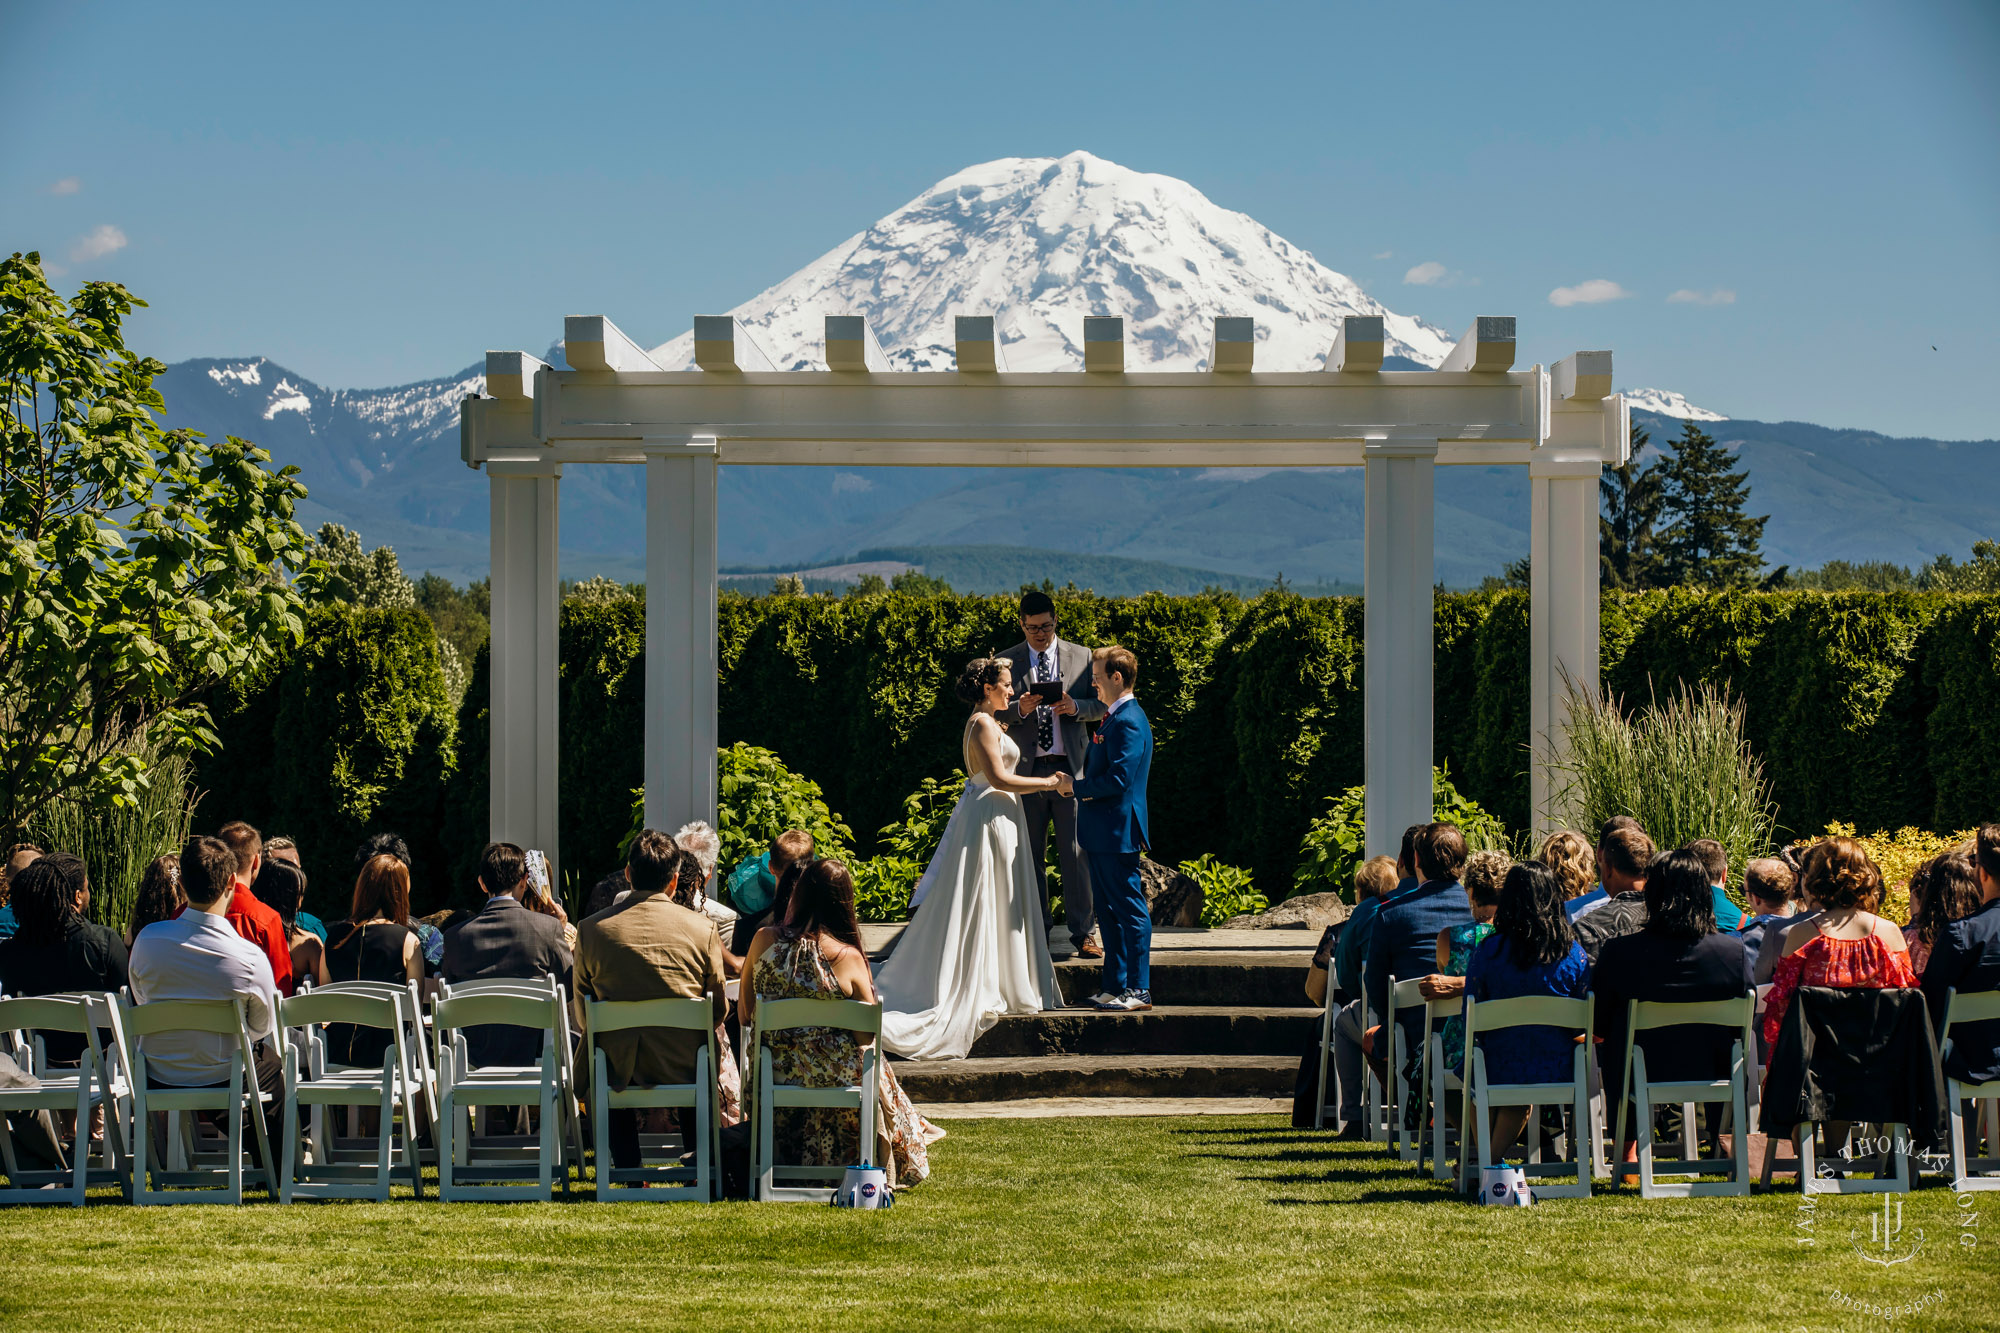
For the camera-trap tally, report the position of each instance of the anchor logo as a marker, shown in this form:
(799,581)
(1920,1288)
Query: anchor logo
(1884,1232)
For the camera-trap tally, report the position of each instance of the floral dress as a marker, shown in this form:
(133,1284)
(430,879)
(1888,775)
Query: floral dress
(1869,963)
(829,1058)
(1463,940)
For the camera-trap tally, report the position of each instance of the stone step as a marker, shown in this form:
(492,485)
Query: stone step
(1267,980)
(1183,1030)
(1014,1078)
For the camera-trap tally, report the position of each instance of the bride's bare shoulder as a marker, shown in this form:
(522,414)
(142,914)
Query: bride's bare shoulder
(984,722)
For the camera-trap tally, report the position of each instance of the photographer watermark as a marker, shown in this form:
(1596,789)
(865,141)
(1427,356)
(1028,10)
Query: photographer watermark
(1887,1238)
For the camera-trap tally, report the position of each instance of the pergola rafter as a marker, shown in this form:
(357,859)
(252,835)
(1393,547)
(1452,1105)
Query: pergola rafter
(616,405)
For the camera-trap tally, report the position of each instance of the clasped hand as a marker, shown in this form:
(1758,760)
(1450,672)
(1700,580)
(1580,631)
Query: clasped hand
(1065,785)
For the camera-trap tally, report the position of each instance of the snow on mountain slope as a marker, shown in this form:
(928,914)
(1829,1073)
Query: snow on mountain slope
(1668,403)
(1039,243)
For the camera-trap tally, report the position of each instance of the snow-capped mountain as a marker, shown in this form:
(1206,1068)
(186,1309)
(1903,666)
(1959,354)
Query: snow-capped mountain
(1041,242)
(1667,403)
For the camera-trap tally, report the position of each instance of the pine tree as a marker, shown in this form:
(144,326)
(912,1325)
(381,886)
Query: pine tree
(1708,539)
(1626,553)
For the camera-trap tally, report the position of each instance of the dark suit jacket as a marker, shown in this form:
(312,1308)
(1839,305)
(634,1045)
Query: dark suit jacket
(1073,668)
(1649,965)
(1404,943)
(1111,794)
(505,940)
(1855,1055)
(1966,958)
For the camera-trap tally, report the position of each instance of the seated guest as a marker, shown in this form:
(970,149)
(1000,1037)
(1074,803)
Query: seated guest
(1574,862)
(650,947)
(159,897)
(19,857)
(253,920)
(1767,883)
(1621,865)
(54,948)
(816,954)
(430,939)
(200,956)
(1374,880)
(1585,903)
(1952,892)
(753,893)
(1728,916)
(1404,945)
(1485,872)
(371,945)
(504,939)
(280,886)
(286,850)
(704,845)
(1677,956)
(1532,951)
(1965,957)
(1772,947)
(1846,947)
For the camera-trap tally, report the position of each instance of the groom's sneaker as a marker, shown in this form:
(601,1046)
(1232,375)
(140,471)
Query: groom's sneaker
(1106,1000)
(1135,1000)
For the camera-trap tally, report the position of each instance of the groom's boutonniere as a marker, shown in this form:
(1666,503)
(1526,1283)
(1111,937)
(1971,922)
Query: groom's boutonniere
(1097,738)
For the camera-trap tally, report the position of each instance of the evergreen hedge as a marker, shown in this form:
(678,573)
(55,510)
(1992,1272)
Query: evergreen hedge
(1878,709)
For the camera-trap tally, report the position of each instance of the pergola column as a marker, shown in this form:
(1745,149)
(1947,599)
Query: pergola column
(524,661)
(681,666)
(1400,487)
(1587,428)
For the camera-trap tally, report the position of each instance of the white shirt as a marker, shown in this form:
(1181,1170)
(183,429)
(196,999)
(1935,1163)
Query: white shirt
(1054,674)
(200,957)
(1117,704)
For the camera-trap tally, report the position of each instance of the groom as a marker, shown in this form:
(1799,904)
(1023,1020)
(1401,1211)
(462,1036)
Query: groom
(1111,825)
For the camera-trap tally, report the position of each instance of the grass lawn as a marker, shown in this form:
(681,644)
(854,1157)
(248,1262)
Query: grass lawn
(1101,1224)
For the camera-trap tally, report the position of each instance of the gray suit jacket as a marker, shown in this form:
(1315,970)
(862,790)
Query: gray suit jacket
(1073,667)
(505,939)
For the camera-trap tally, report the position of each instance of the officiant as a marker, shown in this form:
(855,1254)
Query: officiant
(1054,699)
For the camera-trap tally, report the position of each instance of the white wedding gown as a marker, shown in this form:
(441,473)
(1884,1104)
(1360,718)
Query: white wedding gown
(975,947)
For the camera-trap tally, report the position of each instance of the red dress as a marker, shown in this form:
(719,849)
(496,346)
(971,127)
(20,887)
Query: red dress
(1869,963)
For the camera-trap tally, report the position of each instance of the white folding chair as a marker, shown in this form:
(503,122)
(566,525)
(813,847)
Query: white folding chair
(60,1090)
(1373,1107)
(1404,995)
(1974,1172)
(1638,1094)
(465,1172)
(1482,1095)
(194,1166)
(1440,1082)
(537,988)
(1329,1014)
(387,1088)
(416,1043)
(687,1015)
(783,1016)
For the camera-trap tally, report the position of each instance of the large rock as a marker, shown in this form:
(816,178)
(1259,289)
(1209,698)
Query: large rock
(1173,899)
(1309,911)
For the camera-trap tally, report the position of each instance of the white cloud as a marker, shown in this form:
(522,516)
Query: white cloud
(1688,296)
(67,185)
(105,240)
(1588,293)
(1430,273)
(1385,254)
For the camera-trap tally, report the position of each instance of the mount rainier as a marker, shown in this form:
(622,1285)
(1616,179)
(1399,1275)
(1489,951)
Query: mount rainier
(1039,243)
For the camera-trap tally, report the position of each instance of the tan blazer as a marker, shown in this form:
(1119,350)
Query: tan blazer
(649,947)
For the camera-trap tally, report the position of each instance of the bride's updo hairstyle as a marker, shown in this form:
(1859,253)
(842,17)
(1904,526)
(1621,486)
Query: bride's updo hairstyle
(819,898)
(1839,876)
(979,674)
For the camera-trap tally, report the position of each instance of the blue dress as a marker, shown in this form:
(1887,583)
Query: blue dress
(1525,1055)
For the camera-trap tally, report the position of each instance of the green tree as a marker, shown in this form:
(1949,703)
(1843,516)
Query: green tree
(1627,556)
(1848,576)
(1708,539)
(138,566)
(359,577)
(869,585)
(919,584)
(1979,574)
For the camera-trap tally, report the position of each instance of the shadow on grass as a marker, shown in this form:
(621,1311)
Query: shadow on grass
(1372,1196)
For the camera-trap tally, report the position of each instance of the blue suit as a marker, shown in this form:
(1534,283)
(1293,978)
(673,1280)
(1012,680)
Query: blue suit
(1111,829)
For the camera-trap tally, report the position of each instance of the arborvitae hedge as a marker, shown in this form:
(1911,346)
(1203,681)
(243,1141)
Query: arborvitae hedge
(1880,709)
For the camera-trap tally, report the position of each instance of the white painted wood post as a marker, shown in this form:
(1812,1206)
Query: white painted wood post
(1587,429)
(525,655)
(1400,486)
(680,632)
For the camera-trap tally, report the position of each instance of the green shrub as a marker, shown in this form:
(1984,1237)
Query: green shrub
(926,811)
(1333,845)
(882,886)
(757,798)
(1962,730)
(1682,767)
(1226,890)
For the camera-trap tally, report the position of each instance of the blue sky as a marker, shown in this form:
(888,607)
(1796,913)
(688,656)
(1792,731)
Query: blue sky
(376,194)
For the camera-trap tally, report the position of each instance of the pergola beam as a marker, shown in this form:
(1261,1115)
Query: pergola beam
(592,342)
(1233,349)
(511,375)
(851,345)
(1582,376)
(723,345)
(977,345)
(1103,344)
(1357,348)
(1487,347)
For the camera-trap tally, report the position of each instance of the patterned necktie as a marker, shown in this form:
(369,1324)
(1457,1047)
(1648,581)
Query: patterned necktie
(1045,720)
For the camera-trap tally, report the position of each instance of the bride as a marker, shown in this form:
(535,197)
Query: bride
(975,948)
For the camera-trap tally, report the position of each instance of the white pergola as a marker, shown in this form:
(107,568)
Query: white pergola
(616,405)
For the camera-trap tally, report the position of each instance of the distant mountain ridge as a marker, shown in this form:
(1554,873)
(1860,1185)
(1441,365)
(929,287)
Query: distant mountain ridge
(1039,243)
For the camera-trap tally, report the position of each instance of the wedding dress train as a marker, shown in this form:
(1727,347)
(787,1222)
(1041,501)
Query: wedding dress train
(975,947)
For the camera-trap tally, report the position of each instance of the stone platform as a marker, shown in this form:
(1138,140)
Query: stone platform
(1229,1022)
